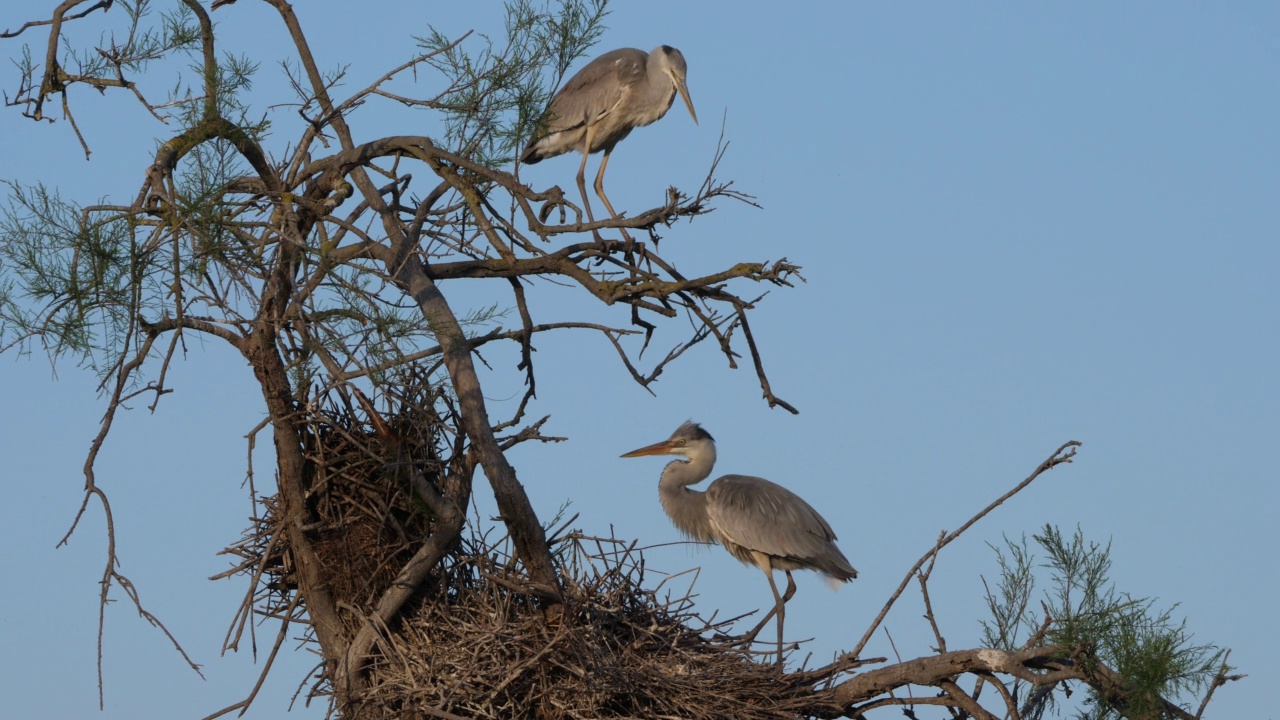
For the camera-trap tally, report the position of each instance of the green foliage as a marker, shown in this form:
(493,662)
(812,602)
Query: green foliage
(176,30)
(75,279)
(132,50)
(72,282)
(497,94)
(1009,603)
(82,280)
(1097,627)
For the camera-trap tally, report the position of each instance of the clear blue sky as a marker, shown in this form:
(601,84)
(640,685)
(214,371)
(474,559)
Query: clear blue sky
(1021,224)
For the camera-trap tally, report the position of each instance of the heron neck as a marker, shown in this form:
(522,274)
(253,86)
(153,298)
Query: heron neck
(687,508)
(660,93)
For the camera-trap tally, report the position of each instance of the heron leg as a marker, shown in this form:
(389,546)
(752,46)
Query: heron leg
(604,162)
(790,593)
(582,169)
(582,187)
(779,604)
(780,608)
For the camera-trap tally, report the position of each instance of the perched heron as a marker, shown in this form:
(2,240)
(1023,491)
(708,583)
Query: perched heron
(759,522)
(617,92)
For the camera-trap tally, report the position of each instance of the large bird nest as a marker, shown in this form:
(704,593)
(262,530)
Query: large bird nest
(484,649)
(474,641)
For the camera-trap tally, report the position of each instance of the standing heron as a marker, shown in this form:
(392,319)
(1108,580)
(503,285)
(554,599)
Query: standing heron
(617,92)
(759,522)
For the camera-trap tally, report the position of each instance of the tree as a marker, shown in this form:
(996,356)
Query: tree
(322,263)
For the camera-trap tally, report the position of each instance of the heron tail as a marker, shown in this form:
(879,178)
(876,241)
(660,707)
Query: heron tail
(531,156)
(838,570)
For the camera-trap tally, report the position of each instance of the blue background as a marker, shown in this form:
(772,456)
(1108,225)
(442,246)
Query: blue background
(1021,224)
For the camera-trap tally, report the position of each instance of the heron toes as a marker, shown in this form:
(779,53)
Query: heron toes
(745,643)
(750,636)
(550,205)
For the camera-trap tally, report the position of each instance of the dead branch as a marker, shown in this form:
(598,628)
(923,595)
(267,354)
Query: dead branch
(1063,454)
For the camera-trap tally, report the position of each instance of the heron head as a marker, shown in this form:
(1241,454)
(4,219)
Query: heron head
(673,64)
(687,441)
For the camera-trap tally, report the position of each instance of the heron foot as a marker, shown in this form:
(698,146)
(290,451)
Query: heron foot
(750,637)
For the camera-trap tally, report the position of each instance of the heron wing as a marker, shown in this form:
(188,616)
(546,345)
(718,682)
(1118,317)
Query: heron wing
(760,515)
(596,90)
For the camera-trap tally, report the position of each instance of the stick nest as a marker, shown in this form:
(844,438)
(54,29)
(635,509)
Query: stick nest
(484,649)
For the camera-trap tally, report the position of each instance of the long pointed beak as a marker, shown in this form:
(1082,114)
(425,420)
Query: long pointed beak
(659,448)
(688,102)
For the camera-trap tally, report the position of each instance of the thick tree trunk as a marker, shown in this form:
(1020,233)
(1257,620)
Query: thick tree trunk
(292,475)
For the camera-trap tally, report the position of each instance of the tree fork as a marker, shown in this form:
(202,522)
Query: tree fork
(517,512)
(513,503)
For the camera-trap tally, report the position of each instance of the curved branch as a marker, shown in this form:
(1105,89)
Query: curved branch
(162,326)
(167,157)
(1041,666)
(1063,454)
(59,16)
(110,575)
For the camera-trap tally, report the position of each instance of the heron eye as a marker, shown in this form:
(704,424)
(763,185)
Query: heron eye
(680,441)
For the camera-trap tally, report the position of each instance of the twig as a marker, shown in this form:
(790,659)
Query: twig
(923,576)
(1063,454)
(1222,678)
(281,635)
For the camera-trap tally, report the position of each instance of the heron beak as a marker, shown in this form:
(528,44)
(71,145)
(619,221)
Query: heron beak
(660,448)
(688,102)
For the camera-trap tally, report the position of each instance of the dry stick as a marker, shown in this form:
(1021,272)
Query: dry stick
(1009,703)
(773,400)
(109,574)
(281,636)
(898,656)
(890,701)
(71,118)
(59,16)
(244,613)
(1222,679)
(965,701)
(1063,454)
(526,354)
(928,606)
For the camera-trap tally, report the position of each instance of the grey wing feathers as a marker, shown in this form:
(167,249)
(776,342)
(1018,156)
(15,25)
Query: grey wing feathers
(761,515)
(591,94)
(597,88)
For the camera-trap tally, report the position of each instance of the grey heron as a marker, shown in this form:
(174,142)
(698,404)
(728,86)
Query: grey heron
(758,522)
(614,94)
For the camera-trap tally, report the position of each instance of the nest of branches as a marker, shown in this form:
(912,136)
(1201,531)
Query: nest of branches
(366,521)
(482,647)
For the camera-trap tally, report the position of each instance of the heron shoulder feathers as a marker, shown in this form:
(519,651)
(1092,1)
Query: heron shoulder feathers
(597,90)
(764,516)
(624,66)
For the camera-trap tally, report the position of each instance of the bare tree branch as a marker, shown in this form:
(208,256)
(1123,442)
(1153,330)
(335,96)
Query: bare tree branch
(1063,454)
